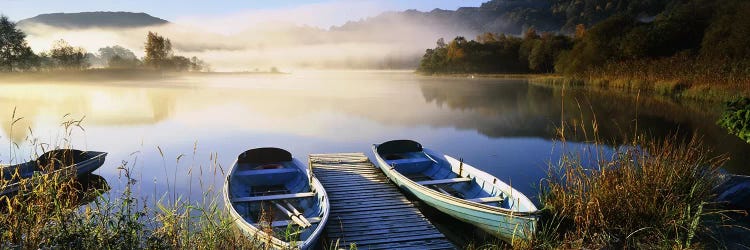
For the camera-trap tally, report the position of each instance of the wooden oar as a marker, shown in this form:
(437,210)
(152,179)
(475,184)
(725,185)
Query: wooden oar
(291,216)
(297,213)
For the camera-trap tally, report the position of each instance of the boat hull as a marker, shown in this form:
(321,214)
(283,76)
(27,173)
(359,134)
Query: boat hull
(95,161)
(501,223)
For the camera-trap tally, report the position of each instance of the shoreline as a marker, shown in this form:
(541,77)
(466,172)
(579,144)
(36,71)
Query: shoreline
(111,75)
(667,88)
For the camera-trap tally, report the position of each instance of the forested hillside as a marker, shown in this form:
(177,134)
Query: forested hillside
(695,47)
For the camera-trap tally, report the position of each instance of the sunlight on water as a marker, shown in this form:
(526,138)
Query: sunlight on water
(506,127)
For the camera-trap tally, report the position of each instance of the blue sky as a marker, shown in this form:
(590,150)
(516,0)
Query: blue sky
(175,9)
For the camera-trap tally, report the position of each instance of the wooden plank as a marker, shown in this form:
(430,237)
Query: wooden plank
(444,181)
(360,224)
(379,198)
(335,181)
(423,244)
(344,165)
(379,213)
(487,199)
(273,197)
(367,209)
(356,183)
(368,204)
(382,229)
(347,230)
(373,189)
(409,236)
(370,175)
(381,195)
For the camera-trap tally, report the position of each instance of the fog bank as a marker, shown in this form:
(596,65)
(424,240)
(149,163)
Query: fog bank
(283,38)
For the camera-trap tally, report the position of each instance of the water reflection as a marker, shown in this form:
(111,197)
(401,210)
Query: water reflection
(90,187)
(511,109)
(506,127)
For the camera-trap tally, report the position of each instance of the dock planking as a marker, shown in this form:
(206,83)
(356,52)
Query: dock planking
(369,211)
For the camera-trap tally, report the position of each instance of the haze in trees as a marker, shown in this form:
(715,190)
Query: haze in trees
(15,54)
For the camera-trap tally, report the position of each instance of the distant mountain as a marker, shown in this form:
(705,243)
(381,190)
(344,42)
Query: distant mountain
(95,19)
(515,16)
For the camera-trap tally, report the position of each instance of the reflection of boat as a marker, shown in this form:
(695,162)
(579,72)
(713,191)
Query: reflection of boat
(90,186)
(68,162)
(458,189)
(268,193)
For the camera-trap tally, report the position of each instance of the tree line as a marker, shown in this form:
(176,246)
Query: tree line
(496,53)
(16,55)
(704,40)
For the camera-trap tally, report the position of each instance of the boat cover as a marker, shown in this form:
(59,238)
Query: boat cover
(264,156)
(399,147)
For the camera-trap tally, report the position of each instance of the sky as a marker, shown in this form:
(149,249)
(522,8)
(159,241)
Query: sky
(175,10)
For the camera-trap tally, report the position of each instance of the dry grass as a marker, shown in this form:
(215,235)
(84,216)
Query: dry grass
(54,211)
(651,193)
(680,75)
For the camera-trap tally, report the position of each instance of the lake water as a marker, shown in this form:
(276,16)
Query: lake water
(506,127)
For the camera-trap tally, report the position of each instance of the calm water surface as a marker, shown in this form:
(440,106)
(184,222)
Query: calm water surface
(505,127)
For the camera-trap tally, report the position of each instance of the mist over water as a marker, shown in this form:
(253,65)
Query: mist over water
(287,39)
(505,127)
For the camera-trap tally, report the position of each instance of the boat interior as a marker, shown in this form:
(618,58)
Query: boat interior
(433,171)
(270,190)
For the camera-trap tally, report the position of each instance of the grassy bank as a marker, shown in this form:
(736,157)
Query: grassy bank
(649,193)
(52,214)
(55,211)
(678,77)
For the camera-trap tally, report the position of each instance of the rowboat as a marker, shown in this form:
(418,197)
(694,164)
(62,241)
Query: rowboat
(67,162)
(275,199)
(458,189)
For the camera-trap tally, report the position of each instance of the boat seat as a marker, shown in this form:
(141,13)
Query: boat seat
(411,165)
(487,199)
(250,172)
(273,197)
(285,223)
(409,160)
(443,181)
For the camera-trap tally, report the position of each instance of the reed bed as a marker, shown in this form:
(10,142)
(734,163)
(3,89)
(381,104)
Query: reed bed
(679,76)
(55,212)
(649,193)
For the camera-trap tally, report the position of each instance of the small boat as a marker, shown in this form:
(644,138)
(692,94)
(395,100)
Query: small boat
(275,199)
(68,162)
(457,189)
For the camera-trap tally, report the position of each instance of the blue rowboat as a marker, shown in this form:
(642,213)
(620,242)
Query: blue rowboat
(67,162)
(274,199)
(458,189)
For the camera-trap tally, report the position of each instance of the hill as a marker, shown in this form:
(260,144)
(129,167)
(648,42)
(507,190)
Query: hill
(515,16)
(95,19)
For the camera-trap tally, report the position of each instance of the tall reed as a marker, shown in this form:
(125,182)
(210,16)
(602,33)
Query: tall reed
(49,213)
(648,193)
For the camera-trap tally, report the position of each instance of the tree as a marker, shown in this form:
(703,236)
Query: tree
(122,63)
(728,36)
(158,51)
(118,57)
(107,53)
(198,65)
(69,57)
(177,63)
(14,52)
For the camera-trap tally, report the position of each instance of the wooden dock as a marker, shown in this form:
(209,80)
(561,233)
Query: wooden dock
(368,210)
